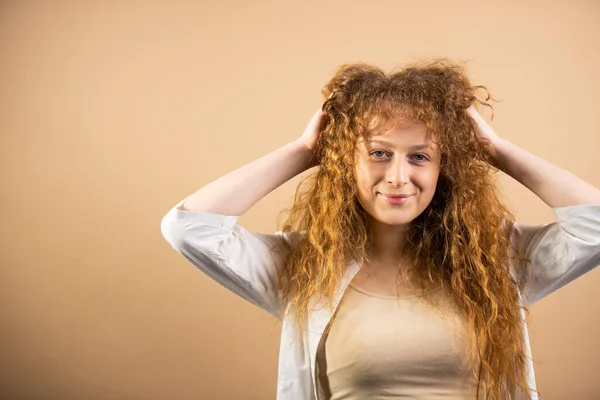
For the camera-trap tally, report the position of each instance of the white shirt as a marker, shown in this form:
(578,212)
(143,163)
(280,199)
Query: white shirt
(246,263)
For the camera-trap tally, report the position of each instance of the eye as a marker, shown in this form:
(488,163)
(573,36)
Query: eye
(378,151)
(421,155)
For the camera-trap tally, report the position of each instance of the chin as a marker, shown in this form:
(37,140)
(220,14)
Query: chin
(403,222)
(397,221)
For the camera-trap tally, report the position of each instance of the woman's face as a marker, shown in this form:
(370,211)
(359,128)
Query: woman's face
(400,161)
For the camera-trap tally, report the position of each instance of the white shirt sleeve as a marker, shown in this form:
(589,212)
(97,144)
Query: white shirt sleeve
(560,252)
(242,261)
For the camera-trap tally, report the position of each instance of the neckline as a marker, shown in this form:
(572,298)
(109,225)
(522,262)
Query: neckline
(379,296)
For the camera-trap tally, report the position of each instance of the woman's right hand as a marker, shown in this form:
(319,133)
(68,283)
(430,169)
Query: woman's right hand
(314,128)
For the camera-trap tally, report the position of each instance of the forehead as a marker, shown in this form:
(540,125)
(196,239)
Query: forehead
(398,133)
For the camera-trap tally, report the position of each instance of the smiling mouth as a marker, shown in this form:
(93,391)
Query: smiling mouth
(395,196)
(395,199)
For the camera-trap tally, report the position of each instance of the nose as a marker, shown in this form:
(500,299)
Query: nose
(398,173)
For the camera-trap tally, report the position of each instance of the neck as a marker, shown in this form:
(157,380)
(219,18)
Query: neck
(387,243)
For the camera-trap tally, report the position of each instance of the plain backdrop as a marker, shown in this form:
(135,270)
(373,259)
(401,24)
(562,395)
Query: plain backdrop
(111,112)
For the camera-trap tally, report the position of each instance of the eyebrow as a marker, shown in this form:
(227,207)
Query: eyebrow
(415,147)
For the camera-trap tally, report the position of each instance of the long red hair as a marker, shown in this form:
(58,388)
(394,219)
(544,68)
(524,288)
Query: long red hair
(460,242)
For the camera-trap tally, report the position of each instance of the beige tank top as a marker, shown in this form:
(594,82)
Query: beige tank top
(394,347)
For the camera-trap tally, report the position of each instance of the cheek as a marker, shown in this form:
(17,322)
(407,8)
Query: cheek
(364,183)
(431,181)
(364,177)
(371,173)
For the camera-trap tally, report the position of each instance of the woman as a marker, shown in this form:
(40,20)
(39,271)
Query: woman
(399,272)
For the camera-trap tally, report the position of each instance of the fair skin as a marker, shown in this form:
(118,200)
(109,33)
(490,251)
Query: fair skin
(401,161)
(552,184)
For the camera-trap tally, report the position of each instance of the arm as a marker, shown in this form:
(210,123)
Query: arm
(559,252)
(236,192)
(203,226)
(555,186)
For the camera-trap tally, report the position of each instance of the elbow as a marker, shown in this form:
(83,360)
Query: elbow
(171,231)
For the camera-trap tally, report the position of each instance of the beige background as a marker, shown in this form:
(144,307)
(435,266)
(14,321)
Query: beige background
(112,112)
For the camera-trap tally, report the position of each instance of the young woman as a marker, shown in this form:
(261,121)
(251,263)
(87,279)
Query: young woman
(399,273)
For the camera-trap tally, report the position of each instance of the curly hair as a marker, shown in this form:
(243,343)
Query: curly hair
(461,242)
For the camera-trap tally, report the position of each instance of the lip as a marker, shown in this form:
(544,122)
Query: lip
(395,198)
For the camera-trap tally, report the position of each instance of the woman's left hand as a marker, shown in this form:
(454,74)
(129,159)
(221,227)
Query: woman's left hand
(484,130)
